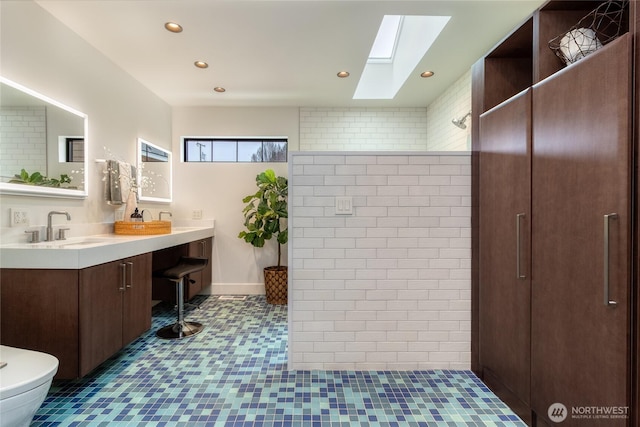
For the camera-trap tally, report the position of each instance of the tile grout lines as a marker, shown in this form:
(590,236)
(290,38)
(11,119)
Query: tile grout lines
(234,374)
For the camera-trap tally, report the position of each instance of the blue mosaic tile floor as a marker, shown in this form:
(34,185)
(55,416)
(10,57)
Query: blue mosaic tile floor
(234,374)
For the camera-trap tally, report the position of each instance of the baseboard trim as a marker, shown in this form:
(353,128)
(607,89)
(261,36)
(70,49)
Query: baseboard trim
(234,289)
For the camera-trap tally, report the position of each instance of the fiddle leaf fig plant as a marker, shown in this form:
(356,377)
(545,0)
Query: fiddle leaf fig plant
(265,211)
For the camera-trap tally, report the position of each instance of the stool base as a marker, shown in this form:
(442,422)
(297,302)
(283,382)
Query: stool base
(179,330)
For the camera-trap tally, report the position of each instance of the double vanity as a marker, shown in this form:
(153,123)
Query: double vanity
(83,299)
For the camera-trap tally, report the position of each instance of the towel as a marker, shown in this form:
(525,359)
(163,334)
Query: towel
(112,188)
(120,181)
(132,186)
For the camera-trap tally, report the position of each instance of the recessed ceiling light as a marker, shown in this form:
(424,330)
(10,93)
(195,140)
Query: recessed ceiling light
(427,74)
(201,64)
(343,74)
(219,89)
(173,27)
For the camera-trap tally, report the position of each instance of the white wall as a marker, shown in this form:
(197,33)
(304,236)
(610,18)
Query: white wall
(61,123)
(218,188)
(389,286)
(391,129)
(39,52)
(454,103)
(363,129)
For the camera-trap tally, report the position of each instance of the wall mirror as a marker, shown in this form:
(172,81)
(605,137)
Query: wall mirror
(154,173)
(46,139)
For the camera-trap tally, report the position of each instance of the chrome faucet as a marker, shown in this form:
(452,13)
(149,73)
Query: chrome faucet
(164,212)
(50,236)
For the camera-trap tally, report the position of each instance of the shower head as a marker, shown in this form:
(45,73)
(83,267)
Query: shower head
(460,122)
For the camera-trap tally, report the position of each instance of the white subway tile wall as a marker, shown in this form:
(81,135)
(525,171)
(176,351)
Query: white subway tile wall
(389,286)
(442,135)
(27,127)
(363,129)
(391,129)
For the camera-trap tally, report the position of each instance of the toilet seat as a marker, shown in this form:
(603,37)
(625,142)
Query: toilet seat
(25,370)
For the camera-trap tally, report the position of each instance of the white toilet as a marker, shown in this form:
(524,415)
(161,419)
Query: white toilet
(24,384)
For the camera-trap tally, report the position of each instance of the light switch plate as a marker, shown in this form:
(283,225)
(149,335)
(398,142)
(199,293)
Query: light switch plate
(344,205)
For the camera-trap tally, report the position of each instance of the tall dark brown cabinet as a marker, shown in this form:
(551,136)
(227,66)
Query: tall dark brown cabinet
(581,234)
(555,286)
(505,224)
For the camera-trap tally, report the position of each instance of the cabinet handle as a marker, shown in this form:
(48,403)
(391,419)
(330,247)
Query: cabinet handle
(203,248)
(519,274)
(123,277)
(130,283)
(607,221)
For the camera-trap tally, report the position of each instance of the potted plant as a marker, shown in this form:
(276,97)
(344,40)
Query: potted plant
(263,220)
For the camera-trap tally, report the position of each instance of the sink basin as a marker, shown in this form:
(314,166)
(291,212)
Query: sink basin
(81,242)
(72,243)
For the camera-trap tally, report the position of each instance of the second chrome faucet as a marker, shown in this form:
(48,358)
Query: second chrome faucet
(50,237)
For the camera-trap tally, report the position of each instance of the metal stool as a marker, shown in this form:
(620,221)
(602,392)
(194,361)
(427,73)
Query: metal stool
(177,273)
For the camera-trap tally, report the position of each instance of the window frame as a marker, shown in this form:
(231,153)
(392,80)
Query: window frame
(185,140)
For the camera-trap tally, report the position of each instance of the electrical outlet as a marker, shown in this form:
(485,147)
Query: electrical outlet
(19,217)
(196,214)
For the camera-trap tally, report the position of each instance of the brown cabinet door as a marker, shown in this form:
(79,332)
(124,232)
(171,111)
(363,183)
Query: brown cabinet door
(115,308)
(504,246)
(137,297)
(39,311)
(101,302)
(207,273)
(202,279)
(581,172)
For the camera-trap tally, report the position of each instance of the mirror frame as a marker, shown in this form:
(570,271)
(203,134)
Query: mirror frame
(34,190)
(141,197)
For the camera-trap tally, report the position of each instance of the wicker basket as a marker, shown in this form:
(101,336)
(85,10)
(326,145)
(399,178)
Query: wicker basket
(147,228)
(276,284)
(599,27)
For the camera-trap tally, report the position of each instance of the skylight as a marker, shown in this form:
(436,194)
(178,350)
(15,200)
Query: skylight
(385,43)
(405,44)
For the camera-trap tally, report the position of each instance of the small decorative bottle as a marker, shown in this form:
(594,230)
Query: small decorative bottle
(136,216)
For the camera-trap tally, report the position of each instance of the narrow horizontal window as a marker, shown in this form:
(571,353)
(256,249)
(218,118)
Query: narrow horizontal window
(71,149)
(235,150)
(151,154)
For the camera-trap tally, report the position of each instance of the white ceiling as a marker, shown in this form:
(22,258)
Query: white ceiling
(279,53)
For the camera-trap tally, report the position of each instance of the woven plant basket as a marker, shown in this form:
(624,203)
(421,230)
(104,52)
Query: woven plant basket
(276,284)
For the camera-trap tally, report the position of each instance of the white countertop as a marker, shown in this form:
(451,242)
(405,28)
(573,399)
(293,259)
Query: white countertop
(81,252)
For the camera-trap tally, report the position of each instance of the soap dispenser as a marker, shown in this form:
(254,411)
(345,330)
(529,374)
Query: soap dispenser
(136,216)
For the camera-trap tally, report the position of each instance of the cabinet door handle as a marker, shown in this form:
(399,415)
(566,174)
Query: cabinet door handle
(519,274)
(607,221)
(130,283)
(203,248)
(123,276)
